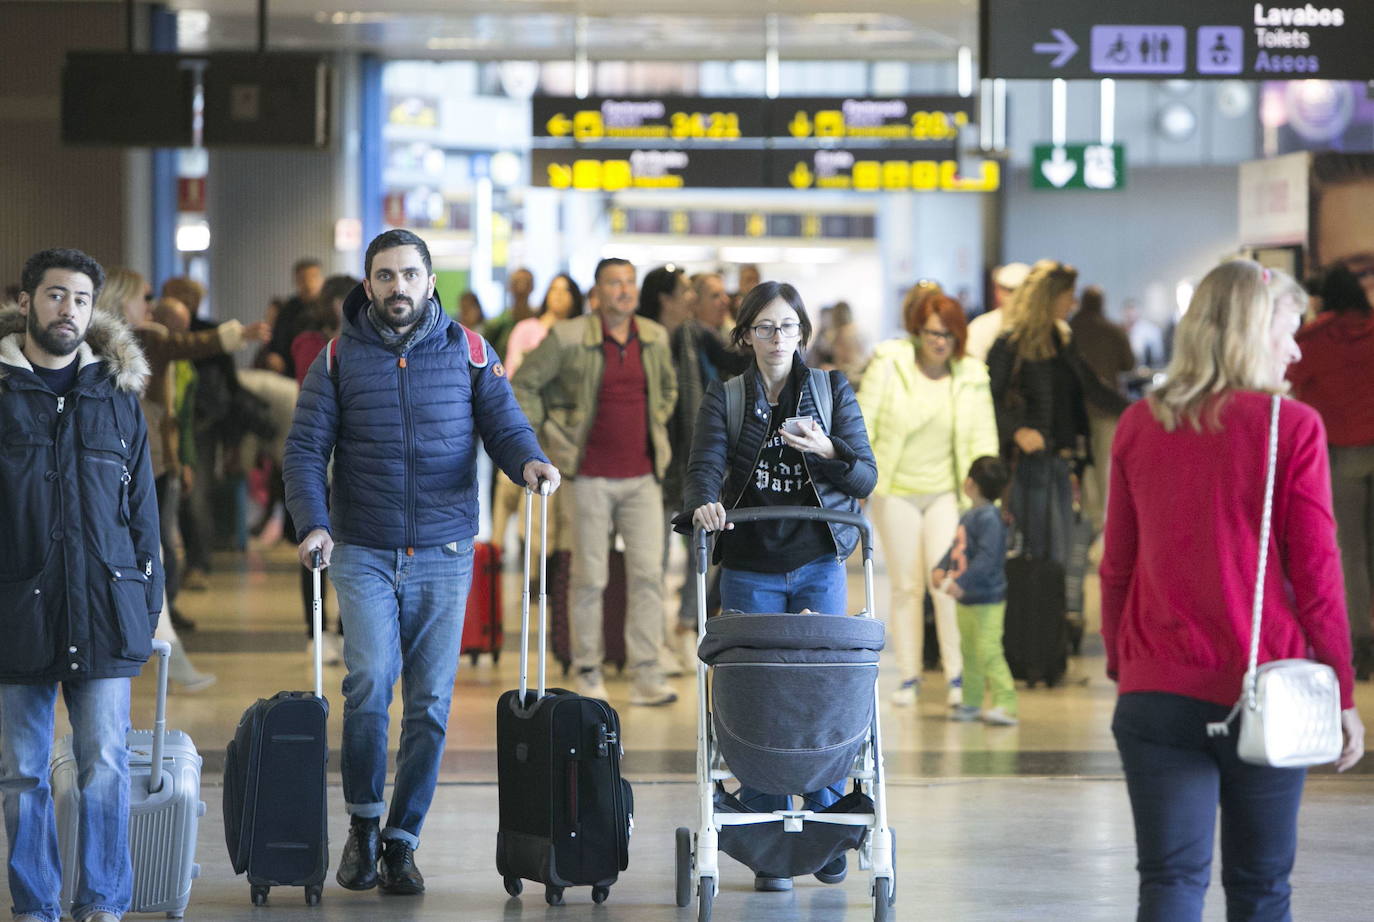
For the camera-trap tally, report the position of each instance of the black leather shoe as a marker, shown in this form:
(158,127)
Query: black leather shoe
(398,873)
(834,870)
(358,866)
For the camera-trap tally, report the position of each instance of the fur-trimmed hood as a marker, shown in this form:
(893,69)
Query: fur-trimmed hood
(108,340)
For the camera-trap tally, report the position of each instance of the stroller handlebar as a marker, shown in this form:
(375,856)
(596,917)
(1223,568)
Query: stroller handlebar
(792,513)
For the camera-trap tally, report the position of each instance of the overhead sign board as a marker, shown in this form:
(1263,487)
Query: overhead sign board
(1236,39)
(884,169)
(1100,167)
(614,171)
(641,119)
(904,119)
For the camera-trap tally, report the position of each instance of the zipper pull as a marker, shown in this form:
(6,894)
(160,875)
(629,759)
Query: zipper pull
(125,477)
(61,402)
(148,568)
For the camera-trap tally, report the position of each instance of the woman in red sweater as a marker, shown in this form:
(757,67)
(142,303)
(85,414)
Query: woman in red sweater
(1178,582)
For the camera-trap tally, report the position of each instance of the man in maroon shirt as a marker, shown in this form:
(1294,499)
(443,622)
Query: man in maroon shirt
(599,390)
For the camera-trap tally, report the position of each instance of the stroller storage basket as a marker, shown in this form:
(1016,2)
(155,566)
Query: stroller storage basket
(792,695)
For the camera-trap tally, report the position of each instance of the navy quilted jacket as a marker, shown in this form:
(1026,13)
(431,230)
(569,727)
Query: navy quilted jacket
(403,431)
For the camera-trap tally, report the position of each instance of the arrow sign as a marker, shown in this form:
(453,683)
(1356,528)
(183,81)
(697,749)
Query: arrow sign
(1059,169)
(1063,46)
(559,125)
(800,177)
(800,126)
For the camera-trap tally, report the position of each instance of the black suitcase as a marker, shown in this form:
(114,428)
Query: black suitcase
(1035,636)
(565,812)
(276,823)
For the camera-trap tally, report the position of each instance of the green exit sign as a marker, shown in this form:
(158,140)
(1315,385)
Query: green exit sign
(1100,167)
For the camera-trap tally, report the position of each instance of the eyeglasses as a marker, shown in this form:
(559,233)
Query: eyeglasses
(766,331)
(943,336)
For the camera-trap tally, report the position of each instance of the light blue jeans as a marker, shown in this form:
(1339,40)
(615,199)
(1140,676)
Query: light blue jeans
(819,586)
(99,713)
(403,619)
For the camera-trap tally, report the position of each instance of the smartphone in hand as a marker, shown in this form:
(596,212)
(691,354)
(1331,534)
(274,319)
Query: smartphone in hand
(794,425)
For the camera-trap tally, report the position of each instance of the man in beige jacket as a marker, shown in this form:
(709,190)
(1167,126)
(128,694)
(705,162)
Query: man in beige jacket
(599,390)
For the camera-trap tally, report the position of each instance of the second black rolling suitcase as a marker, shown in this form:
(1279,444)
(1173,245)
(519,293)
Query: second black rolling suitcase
(1035,634)
(275,812)
(565,812)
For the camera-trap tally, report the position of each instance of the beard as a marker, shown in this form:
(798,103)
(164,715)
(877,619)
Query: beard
(398,311)
(55,338)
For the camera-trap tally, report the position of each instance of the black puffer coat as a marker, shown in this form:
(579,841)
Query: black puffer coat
(80,576)
(720,472)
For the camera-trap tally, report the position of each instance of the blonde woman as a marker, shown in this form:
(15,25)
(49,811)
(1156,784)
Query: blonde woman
(1178,582)
(929,415)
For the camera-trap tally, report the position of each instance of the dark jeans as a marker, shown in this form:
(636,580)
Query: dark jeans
(1176,776)
(168,501)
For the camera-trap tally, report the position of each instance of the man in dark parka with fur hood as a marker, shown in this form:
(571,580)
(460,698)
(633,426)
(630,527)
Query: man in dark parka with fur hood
(80,577)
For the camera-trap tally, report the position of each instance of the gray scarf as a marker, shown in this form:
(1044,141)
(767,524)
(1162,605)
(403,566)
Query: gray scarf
(401,342)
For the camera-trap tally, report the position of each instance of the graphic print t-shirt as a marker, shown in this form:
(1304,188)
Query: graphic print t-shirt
(780,479)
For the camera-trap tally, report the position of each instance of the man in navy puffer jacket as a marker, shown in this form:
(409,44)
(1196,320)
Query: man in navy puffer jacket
(400,401)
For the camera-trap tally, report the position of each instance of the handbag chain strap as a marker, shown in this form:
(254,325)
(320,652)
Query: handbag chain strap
(1248,694)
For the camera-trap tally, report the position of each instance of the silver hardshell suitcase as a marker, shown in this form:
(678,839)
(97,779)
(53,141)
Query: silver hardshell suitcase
(164,812)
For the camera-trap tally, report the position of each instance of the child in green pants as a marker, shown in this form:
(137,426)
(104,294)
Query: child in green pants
(974,573)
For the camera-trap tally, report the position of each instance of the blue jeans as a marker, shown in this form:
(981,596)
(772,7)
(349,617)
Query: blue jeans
(403,618)
(99,712)
(1176,776)
(819,586)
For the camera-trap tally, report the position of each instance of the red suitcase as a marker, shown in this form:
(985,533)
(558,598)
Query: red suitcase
(482,624)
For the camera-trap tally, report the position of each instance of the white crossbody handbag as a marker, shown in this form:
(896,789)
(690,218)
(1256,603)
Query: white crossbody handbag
(1290,709)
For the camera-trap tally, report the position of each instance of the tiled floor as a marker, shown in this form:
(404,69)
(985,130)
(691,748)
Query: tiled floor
(993,824)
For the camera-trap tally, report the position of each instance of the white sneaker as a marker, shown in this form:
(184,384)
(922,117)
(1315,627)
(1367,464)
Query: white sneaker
(655,694)
(906,694)
(956,691)
(998,717)
(589,684)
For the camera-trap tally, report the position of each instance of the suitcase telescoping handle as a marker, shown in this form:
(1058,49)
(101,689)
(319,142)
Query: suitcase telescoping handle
(163,649)
(544,489)
(317,620)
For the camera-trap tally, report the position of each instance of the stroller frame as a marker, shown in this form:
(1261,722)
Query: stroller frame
(698,852)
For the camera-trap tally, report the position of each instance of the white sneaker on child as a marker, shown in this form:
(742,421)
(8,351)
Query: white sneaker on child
(965,714)
(998,717)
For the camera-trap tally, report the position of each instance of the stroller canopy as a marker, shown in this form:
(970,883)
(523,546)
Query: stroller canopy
(792,695)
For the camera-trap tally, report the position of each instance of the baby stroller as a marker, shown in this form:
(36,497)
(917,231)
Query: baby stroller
(788,703)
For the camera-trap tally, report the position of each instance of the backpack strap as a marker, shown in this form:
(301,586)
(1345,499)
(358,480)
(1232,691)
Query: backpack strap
(477,348)
(331,359)
(823,396)
(734,410)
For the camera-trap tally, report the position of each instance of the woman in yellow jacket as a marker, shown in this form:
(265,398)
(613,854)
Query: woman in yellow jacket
(929,414)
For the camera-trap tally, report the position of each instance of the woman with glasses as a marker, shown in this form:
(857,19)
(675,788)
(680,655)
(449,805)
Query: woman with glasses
(782,455)
(929,411)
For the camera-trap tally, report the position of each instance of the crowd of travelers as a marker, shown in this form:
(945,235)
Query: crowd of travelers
(657,405)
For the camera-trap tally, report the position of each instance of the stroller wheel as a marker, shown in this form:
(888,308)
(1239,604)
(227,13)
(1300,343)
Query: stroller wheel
(706,897)
(684,866)
(882,899)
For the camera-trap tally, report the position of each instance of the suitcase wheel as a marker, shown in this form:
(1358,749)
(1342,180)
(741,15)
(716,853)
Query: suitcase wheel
(260,895)
(599,894)
(515,886)
(553,895)
(312,894)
